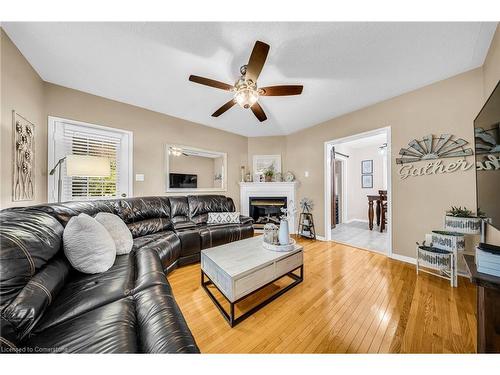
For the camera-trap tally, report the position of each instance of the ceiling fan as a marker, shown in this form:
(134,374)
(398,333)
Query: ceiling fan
(246,92)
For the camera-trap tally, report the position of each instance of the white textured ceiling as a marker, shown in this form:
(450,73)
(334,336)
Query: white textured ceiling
(343,66)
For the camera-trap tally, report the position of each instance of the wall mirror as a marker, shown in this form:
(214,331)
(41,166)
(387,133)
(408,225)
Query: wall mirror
(190,169)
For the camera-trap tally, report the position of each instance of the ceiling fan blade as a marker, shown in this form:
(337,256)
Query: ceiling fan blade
(210,82)
(257,60)
(224,108)
(258,112)
(281,90)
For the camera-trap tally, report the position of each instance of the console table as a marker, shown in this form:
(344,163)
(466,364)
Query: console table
(488,308)
(377,200)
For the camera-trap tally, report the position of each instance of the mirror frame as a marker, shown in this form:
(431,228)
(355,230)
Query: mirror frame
(168,189)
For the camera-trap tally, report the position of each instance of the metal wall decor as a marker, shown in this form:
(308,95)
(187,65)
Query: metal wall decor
(431,148)
(23,186)
(487,141)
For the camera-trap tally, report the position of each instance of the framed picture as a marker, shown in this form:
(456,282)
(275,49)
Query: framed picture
(367,181)
(367,166)
(263,162)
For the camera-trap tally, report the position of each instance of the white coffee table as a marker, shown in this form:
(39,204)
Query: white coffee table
(239,269)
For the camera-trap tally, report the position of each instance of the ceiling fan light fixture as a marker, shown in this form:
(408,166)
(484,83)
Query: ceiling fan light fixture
(246,97)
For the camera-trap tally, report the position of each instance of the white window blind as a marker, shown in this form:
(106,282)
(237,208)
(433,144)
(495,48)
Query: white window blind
(80,139)
(80,142)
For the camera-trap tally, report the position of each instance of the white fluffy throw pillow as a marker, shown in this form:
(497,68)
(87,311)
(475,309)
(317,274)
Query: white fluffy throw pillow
(88,245)
(118,231)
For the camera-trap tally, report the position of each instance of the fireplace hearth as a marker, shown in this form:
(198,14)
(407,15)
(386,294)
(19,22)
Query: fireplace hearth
(265,210)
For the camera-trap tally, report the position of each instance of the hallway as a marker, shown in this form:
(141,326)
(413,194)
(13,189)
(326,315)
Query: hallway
(357,234)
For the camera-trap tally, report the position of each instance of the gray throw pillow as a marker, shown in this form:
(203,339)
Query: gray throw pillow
(118,231)
(88,245)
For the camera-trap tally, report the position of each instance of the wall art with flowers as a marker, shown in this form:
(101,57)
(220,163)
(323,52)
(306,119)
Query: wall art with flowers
(23,188)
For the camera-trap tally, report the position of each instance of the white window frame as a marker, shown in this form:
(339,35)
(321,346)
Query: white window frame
(51,156)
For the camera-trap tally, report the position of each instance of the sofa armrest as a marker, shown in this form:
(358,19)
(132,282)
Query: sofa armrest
(180,225)
(245,219)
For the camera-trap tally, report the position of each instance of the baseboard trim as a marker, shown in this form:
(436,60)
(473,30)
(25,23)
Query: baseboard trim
(403,258)
(320,238)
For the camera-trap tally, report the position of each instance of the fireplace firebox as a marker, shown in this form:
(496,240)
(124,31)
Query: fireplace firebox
(265,210)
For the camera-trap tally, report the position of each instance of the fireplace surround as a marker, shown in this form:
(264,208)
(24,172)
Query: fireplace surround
(273,191)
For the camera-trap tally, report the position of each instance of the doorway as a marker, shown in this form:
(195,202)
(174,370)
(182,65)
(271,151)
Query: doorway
(358,191)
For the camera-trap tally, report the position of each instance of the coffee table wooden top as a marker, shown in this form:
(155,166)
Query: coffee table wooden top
(242,257)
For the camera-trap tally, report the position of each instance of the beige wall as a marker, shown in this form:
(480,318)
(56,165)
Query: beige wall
(418,203)
(152,131)
(267,146)
(357,203)
(21,90)
(491,76)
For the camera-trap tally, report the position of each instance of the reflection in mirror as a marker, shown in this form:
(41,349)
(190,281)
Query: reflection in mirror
(487,143)
(193,169)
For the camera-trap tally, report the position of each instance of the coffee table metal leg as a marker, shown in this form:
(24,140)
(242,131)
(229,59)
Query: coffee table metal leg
(230,318)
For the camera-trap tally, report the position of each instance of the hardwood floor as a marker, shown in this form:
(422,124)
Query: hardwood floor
(351,301)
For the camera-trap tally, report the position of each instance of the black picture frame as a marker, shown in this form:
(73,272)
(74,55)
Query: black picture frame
(368,164)
(368,184)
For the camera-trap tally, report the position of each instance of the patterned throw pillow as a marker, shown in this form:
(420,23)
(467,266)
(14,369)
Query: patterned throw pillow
(223,218)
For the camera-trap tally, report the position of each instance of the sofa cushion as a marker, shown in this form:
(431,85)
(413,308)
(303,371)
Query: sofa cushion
(9,341)
(38,294)
(149,270)
(118,230)
(179,207)
(84,292)
(161,326)
(216,235)
(88,245)
(145,215)
(63,212)
(148,226)
(106,329)
(166,244)
(28,240)
(190,241)
(201,205)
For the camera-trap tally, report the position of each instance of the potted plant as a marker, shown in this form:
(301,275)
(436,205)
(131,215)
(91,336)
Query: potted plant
(462,220)
(269,173)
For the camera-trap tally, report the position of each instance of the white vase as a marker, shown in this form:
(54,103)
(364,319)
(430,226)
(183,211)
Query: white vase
(284,233)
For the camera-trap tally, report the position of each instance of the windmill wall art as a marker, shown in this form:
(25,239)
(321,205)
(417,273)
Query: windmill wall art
(434,147)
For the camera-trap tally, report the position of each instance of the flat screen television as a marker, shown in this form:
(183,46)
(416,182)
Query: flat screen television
(183,181)
(487,145)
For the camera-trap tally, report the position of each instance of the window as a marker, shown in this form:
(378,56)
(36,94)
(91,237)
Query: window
(67,137)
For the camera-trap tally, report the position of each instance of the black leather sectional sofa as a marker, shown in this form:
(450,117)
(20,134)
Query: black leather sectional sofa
(46,306)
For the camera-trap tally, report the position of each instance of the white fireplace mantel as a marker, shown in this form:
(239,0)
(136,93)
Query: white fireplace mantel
(268,189)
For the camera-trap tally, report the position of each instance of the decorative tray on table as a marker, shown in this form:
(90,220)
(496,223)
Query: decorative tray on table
(289,247)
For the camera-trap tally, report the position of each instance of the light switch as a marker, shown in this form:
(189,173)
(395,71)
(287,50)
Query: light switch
(139,177)
(306,174)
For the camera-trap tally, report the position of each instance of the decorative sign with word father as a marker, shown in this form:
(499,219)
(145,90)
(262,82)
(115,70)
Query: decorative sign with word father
(433,148)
